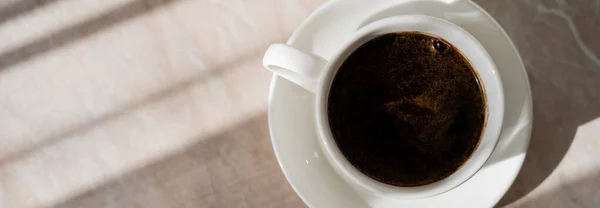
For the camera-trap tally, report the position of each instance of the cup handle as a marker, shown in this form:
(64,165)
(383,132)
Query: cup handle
(300,67)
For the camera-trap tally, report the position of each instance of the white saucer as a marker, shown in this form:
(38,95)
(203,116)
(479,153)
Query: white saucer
(291,110)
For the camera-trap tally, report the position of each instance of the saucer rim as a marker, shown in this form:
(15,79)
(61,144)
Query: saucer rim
(527,101)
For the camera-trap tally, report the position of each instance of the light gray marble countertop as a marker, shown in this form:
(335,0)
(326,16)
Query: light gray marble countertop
(162,103)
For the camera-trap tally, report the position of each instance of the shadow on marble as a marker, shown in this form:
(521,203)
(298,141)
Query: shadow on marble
(236,168)
(21,7)
(582,192)
(166,93)
(556,118)
(559,48)
(73,33)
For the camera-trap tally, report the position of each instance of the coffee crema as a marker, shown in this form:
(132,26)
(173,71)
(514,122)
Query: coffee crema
(406,109)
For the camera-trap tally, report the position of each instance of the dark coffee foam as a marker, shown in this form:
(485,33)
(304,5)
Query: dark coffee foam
(405,110)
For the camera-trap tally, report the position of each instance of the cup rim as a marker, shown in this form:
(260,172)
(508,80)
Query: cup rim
(492,90)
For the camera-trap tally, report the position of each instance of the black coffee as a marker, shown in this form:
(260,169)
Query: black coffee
(406,109)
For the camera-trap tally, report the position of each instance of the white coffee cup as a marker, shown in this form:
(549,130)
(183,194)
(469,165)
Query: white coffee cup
(315,74)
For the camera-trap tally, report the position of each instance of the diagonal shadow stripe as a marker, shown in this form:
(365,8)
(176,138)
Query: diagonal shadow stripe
(20,8)
(192,176)
(79,31)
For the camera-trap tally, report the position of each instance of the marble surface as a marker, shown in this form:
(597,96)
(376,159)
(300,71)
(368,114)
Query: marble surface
(162,103)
